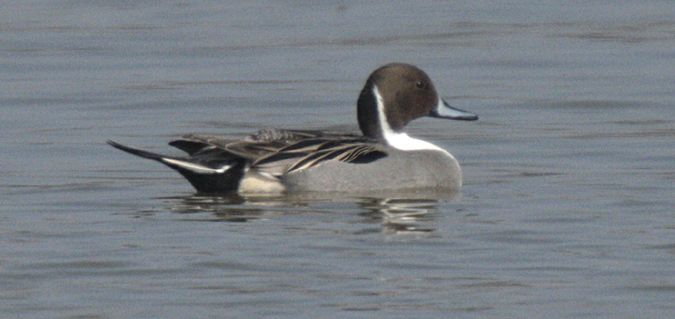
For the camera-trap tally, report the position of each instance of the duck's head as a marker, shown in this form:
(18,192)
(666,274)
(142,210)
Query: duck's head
(396,94)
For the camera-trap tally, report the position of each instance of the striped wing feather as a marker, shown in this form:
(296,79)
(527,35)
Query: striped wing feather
(279,152)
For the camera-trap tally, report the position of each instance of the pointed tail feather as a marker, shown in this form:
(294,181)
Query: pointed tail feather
(225,178)
(135,151)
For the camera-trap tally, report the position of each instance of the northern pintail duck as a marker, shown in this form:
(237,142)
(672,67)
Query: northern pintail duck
(384,157)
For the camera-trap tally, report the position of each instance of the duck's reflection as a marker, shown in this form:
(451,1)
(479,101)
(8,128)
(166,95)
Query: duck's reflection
(400,212)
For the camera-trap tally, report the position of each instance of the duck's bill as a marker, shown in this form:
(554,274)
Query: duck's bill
(445,111)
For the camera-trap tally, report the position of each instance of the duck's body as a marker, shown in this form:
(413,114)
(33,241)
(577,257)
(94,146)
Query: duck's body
(297,160)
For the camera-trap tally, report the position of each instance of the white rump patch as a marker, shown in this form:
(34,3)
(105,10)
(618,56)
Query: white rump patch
(200,169)
(401,140)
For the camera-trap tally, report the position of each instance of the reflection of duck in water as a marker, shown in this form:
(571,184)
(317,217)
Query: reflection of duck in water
(408,212)
(294,160)
(402,215)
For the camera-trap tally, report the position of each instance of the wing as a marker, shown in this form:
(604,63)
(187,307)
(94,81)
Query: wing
(278,152)
(309,153)
(255,146)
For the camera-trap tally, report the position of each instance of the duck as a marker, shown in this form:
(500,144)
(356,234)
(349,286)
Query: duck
(383,157)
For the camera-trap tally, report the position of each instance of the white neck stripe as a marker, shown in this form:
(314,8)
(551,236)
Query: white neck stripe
(401,140)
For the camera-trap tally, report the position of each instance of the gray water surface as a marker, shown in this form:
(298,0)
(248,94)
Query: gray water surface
(567,209)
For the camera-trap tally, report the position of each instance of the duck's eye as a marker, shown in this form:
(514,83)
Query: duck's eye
(419,84)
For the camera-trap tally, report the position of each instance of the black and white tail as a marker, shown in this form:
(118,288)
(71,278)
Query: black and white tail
(207,171)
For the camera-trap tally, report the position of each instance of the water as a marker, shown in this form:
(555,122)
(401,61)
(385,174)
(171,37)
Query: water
(567,209)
